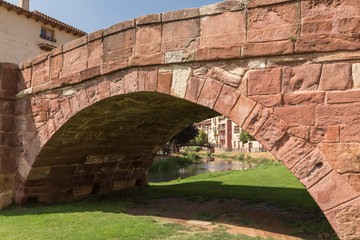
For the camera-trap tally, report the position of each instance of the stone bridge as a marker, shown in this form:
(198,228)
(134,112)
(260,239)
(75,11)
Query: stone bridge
(90,116)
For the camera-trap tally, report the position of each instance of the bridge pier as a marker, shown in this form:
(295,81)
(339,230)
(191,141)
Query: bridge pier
(8,88)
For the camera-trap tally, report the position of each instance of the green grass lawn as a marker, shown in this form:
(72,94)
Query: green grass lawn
(104,218)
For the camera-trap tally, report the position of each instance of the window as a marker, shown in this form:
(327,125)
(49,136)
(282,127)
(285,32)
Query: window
(47,34)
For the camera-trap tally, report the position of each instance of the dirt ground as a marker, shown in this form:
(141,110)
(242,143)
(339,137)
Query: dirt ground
(236,217)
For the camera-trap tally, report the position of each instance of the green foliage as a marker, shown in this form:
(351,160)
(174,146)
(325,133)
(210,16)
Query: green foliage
(245,137)
(170,163)
(200,139)
(293,38)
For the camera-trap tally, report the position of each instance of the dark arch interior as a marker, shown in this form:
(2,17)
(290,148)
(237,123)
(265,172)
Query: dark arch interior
(110,144)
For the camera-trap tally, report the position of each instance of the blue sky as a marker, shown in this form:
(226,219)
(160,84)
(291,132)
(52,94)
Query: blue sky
(92,15)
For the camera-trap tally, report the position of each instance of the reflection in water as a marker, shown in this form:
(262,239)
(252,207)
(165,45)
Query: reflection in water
(207,165)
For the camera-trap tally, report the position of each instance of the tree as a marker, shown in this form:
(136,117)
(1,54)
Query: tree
(245,137)
(200,139)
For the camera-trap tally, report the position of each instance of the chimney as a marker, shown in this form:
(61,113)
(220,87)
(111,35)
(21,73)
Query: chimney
(24,4)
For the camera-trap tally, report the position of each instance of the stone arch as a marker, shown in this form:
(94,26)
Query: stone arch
(275,67)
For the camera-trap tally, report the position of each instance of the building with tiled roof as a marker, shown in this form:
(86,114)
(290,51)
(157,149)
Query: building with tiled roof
(25,34)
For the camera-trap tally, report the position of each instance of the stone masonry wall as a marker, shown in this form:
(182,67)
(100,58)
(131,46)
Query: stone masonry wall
(287,71)
(8,85)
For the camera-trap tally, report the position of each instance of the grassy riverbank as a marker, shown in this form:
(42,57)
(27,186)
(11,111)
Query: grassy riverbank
(104,217)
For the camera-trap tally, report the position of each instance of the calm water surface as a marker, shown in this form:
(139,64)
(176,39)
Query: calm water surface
(208,165)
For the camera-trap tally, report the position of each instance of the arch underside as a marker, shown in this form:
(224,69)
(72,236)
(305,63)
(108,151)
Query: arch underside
(109,145)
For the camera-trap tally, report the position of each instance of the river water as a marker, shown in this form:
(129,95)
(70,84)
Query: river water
(207,165)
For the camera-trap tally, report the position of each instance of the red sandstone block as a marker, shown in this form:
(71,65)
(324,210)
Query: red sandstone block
(95,35)
(151,59)
(93,93)
(109,67)
(306,98)
(117,87)
(40,58)
(337,114)
(300,132)
(327,43)
(6,123)
(317,134)
(148,40)
(74,61)
(24,79)
(335,76)
(120,27)
(36,104)
(181,35)
(119,46)
(224,76)
(350,133)
(82,100)
(267,49)
(217,53)
(54,107)
(273,23)
(242,110)
(332,191)
(268,100)
(302,78)
(312,168)
(296,115)
(289,150)
(70,79)
(332,134)
(264,82)
(40,73)
(55,66)
(131,82)
(227,99)
(217,32)
(194,88)
(104,89)
(180,14)
(95,53)
(256,119)
(209,93)
(164,82)
(271,132)
(9,81)
(7,107)
(354,180)
(258,3)
(90,73)
(7,181)
(148,19)
(66,109)
(343,96)
(56,51)
(151,80)
(141,80)
(75,43)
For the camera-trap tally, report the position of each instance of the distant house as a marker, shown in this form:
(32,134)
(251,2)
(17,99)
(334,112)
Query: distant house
(25,34)
(224,134)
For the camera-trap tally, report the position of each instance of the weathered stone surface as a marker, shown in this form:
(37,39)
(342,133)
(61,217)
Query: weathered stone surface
(180,14)
(343,96)
(302,78)
(326,43)
(181,75)
(356,75)
(225,76)
(210,92)
(179,56)
(271,132)
(312,168)
(332,134)
(181,35)
(230,5)
(164,82)
(273,23)
(306,98)
(227,99)
(6,198)
(268,100)
(335,77)
(263,82)
(241,110)
(216,32)
(119,46)
(194,88)
(268,49)
(344,157)
(332,191)
(289,150)
(216,53)
(337,114)
(256,119)
(296,115)
(148,40)
(148,19)
(300,132)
